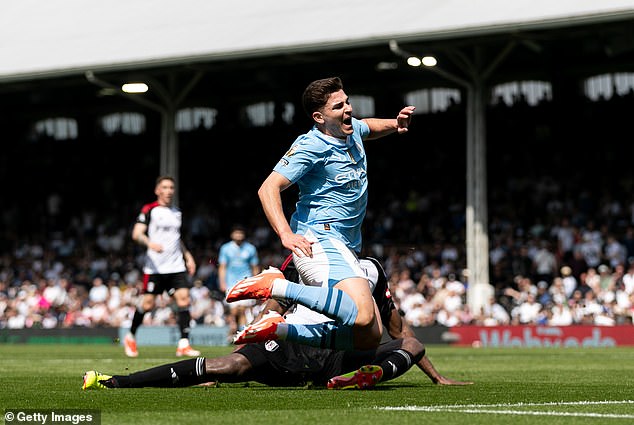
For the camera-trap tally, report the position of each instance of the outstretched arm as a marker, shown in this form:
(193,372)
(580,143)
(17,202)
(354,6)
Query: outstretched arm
(380,127)
(397,328)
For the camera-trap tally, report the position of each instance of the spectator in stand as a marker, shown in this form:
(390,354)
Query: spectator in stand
(624,304)
(568,280)
(565,234)
(576,305)
(98,293)
(493,314)
(545,263)
(527,312)
(525,288)
(405,286)
(544,297)
(561,315)
(585,287)
(614,251)
(591,249)
(578,263)
(591,306)
(606,280)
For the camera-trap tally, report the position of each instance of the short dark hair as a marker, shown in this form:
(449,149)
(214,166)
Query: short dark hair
(238,228)
(159,179)
(317,93)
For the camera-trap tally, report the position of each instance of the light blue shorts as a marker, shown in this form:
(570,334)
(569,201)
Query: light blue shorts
(331,263)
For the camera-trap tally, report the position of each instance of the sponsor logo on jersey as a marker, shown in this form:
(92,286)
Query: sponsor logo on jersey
(357,174)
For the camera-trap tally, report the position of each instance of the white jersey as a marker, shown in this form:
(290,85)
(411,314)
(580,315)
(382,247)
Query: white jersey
(163,227)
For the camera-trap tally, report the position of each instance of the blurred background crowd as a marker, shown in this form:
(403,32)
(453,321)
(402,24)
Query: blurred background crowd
(560,204)
(563,269)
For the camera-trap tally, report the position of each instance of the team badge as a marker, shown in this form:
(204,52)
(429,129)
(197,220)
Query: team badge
(271,346)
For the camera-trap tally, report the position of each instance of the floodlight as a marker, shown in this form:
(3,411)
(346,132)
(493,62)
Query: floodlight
(134,88)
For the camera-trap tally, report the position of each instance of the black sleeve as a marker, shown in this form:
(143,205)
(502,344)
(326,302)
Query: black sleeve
(382,295)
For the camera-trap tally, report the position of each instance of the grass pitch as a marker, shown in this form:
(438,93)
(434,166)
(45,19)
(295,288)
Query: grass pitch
(519,386)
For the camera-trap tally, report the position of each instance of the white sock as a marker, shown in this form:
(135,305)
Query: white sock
(279,288)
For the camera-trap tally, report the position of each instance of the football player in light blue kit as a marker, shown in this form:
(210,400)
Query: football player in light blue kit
(237,259)
(329,166)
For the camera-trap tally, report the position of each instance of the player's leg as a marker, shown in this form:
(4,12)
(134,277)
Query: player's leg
(146,304)
(336,287)
(397,356)
(232,320)
(368,328)
(331,263)
(185,373)
(183,301)
(388,361)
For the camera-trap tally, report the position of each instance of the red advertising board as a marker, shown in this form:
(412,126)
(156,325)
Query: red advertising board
(541,336)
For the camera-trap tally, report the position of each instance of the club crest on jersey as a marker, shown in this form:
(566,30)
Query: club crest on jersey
(271,346)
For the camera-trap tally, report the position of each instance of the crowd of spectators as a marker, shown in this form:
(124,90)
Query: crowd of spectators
(563,269)
(560,225)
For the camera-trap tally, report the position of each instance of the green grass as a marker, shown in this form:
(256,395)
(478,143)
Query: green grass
(50,377)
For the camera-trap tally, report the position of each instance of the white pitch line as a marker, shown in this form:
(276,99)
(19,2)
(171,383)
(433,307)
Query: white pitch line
(486,409)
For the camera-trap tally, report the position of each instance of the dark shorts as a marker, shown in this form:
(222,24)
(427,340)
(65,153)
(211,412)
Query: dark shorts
(287,364)
(156,284)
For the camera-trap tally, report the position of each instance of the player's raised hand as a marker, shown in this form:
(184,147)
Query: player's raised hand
(404,118)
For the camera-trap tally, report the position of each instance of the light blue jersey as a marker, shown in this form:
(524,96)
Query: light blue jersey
(331,175)
(239,260)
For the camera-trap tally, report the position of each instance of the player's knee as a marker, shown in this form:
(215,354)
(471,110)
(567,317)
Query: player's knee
(365,318)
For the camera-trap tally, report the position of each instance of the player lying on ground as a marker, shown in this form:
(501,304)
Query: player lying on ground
(276,363)
(265,326)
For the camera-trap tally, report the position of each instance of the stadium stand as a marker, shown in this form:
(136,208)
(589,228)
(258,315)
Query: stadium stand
(573,205)
(75,161)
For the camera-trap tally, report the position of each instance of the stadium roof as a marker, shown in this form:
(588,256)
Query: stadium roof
(67,37)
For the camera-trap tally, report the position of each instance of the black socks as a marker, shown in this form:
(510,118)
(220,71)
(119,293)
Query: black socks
(397,363)
(180,374)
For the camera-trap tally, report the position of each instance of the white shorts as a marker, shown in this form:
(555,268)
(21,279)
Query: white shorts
(332,262)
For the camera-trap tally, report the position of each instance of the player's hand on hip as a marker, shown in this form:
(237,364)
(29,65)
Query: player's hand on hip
(298,244)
